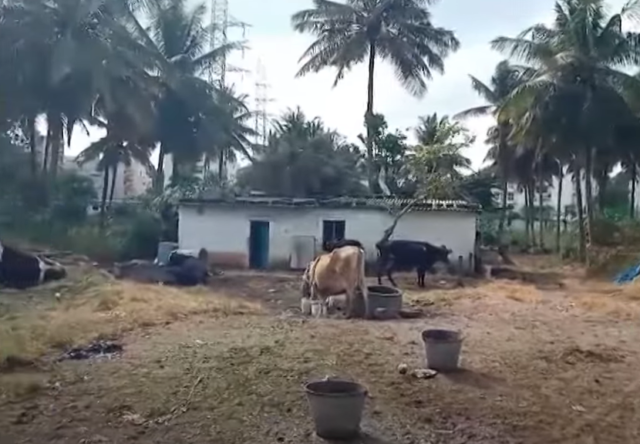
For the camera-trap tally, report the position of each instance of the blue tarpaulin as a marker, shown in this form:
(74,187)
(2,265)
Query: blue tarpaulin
(628,275)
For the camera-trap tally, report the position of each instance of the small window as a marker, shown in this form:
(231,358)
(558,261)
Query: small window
(510,196)
(333,230)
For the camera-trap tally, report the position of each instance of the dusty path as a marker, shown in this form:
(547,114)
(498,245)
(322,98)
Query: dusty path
(538,369)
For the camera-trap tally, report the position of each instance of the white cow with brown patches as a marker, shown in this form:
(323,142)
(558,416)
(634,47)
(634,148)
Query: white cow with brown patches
(335,273)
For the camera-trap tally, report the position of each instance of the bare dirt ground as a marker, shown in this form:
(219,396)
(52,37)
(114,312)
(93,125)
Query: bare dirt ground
(548,362)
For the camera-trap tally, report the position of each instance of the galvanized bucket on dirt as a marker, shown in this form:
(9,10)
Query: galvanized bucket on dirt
(383,302)
(442,349)
(336,408)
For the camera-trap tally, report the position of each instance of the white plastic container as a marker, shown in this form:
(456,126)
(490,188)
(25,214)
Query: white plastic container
(318,309)
(305,306)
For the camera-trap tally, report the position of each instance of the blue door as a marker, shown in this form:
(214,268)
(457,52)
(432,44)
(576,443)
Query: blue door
(259,244)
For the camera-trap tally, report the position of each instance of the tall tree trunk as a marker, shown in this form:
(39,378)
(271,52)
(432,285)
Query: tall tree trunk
(103,200)
(57,151)
(559,205)
(582,251)
(632,198)
(159,182)
(526,217)
(540,205)
(588,175)
(47,150)
(33,153)
(368,118)
(504,171)
(532,213)
(175,170)
(602,183)
(503,211)
(221,166)
(113,184)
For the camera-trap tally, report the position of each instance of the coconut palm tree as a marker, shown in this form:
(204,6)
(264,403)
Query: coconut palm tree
(437,162)
(399,31)
(503,82)
(190,111)
(303,158)
(61,68)
(577,75)
(111,153)
(232,136)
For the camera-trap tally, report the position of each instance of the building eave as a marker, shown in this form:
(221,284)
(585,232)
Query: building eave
(384,203)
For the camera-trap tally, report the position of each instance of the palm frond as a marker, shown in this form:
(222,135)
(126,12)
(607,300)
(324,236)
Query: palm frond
(478,111)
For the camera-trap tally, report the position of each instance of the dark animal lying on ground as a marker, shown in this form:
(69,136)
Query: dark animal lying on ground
(189,270)
(178,257)
(23,270)
(405,255)
(329,246)
(183,269)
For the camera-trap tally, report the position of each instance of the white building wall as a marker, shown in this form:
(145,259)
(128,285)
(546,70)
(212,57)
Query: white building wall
(136,180)
(225,231)
(130,182)
(516,197)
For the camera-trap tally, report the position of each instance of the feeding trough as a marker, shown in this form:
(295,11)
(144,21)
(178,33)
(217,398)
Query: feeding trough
(336,408)
(442,349)
(383,302)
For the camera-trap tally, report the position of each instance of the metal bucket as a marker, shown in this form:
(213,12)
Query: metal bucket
(442,349)
(336,407)
(383,302)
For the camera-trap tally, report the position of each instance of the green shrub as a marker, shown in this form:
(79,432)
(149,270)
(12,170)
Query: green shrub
(140,239)
(135,236)
(90,239)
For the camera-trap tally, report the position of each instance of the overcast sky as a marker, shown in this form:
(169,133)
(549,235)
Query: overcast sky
(278,48)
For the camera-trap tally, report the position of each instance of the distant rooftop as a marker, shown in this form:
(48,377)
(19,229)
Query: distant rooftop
(375,202)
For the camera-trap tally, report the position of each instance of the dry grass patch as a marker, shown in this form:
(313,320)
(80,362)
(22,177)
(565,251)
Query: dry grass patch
(243,382)
(96,306)
(621,301)
(494,290)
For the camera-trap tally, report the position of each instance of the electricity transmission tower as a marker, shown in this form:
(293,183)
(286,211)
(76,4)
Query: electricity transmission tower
(221,22)
(261,101)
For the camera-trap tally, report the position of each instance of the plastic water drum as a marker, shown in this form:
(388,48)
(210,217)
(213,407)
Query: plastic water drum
(164,250)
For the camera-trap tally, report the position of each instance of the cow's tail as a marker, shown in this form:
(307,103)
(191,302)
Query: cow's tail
(308,280)
(305,288)
(362,283)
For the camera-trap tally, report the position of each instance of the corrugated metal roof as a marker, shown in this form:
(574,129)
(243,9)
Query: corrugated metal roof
(377,202)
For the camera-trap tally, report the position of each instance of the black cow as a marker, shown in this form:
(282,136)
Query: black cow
(404,255)
(23,270)
(187,269)
(329,246)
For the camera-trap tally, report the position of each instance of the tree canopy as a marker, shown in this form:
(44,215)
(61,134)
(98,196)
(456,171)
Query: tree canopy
(565,104)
